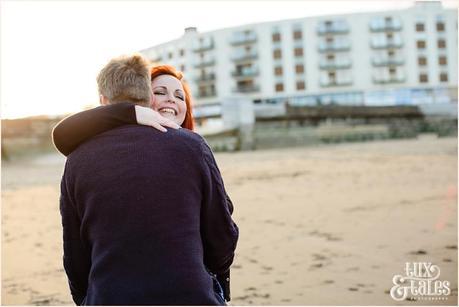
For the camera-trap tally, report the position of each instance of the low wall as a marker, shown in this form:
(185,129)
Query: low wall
(31,138)
(277,134)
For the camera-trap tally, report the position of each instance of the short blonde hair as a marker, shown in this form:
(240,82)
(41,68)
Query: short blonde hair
(126,78)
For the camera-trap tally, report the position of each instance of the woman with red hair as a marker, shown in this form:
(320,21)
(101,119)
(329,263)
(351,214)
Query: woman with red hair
(166,70)
(78,128)
(170,106)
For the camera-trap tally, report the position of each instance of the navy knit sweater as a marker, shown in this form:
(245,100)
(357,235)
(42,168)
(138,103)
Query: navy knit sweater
(144,215)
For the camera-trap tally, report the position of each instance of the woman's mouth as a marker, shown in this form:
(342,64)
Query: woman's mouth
(168,111)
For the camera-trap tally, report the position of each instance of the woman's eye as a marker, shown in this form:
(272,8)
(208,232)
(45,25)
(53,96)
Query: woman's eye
(179,97)
(159,93)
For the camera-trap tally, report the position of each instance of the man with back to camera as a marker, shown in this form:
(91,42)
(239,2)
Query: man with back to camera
(142,209)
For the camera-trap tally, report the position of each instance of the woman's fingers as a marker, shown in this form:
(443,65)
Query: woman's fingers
(159,127)
(148,117)
(168,123)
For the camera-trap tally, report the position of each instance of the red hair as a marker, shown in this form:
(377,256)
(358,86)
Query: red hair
(159,70)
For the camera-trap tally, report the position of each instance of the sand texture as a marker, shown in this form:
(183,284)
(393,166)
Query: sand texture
(328,225)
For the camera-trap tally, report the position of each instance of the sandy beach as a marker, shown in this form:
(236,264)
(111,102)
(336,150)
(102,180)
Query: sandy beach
(327,225)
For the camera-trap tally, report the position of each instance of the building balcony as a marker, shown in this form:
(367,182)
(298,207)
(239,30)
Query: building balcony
(335,82)
(156,59)
(337,27)
(388,43)
(246,89)
(246,56)
(207,110)
(205,78)
(382,25)
(336,46)
(337,64)
(204,46)
(243,38)
(388,61)
(205,63)
(207,94)
(400,78)
(245,72)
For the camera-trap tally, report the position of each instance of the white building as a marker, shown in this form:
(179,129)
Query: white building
(378,58)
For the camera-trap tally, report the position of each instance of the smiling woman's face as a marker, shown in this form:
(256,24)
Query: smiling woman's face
(169,98)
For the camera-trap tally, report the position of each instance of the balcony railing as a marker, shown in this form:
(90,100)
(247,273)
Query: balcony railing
(205,78)
(203,46)
(387,61)
(206,111)
(336,27)
(207,94)
(381,25)
(243,38)
(204,63)
(336,82)
(155,59)
(399,78)
(252,55)
(246,72)
(386,43)
(337,64)
(335,46)
(246,89)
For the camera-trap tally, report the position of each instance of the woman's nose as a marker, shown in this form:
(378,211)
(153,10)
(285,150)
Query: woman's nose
(170,98)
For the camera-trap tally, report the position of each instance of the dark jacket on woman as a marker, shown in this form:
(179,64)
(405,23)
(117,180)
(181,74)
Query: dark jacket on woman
(145,216)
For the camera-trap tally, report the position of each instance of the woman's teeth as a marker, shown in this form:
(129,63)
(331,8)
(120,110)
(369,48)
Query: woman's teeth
(168,110)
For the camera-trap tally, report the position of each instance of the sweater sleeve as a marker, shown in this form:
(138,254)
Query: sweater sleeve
(77,257)
(219,232)
(74,130)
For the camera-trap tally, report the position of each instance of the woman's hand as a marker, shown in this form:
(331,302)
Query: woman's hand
(149,117)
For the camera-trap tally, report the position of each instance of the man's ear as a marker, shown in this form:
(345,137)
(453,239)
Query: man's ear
(103,100)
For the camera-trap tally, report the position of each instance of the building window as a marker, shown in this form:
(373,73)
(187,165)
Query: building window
(442,60)
(297,35)
(441,43)
(298,52)
(279,87)
(422,61)
(299,68)
(440,26)
(443,77)
(278,71)
(392,70)
(182,52)
(330,57)
(300,85)
(277,54)
(420,27)
(421,44)
(170,55)
(390,53)
(276,37)
(423,78)
(182,67)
